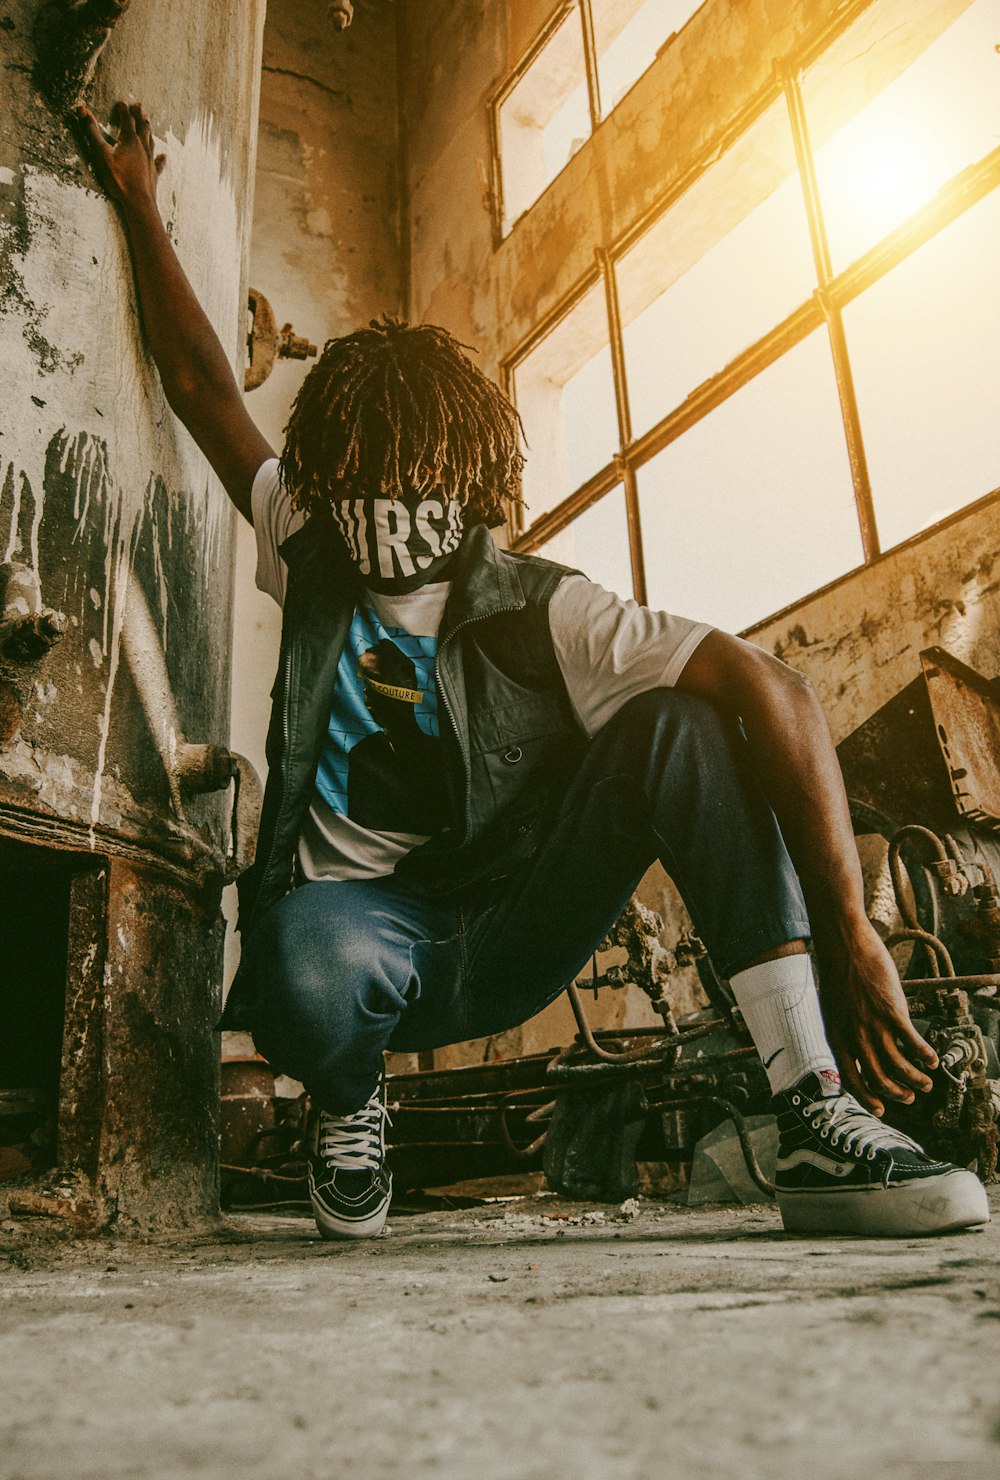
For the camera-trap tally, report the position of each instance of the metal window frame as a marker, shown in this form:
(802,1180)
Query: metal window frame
(510,80)
(824,309)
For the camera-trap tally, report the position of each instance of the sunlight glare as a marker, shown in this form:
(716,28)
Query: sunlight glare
(877,176)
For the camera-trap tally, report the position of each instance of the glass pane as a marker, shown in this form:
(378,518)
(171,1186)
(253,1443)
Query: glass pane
(565,392)
(597,544)
(544,119)
(753,507)
(627,35)
(925,352)
(723,266)
(939,114)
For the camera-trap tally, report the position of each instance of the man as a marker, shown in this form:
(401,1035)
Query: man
(577,738)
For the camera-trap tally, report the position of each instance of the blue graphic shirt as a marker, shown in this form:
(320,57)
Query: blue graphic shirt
(380,766)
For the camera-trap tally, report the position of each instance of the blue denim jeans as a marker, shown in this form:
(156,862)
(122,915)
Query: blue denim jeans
(340,971)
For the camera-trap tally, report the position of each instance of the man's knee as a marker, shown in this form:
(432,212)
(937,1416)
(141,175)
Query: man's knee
(671,719)
(310,945)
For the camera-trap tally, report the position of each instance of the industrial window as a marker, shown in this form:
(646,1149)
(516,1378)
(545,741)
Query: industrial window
(893,155)
(544,116)
(761,489)
(597,543)
(566,387)
(580,66)
(925,349)
(628,34)
(729,261)
(793,365)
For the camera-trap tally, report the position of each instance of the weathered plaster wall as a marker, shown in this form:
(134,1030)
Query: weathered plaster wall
(107,501)
(859,642)
(100,491)
(324,250)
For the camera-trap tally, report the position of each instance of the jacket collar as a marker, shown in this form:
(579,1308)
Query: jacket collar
(485,581)
(485,578)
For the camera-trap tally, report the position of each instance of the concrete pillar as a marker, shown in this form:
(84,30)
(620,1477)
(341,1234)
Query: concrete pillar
(114,528)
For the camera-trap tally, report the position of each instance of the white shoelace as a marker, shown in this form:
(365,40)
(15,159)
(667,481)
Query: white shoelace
(355,1142)
(841,1120)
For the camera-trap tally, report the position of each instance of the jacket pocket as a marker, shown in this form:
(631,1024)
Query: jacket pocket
(519,753)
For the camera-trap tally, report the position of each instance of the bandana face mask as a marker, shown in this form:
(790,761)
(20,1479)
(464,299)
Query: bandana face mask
(400,544)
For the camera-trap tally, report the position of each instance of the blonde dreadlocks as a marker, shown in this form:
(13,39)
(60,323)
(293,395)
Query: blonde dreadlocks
(396,409)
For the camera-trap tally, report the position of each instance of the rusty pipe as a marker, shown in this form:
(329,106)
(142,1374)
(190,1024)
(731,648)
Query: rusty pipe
(341,13)
(746,1145)
(609,1056)
(937,952)
(944,865)
(206,768)
(601,1073)
(983,985)
(540,1113)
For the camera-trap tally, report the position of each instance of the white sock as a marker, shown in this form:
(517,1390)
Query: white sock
(780,1006)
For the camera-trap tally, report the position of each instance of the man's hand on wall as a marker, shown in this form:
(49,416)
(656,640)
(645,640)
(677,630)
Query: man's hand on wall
(129,168)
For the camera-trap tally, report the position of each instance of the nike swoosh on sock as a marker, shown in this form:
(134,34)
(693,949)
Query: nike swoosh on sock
(768,1062)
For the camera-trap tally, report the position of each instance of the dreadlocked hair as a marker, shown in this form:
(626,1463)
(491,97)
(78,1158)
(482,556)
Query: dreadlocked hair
(401,409)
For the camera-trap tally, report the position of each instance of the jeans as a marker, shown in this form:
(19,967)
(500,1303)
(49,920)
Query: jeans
(340,971)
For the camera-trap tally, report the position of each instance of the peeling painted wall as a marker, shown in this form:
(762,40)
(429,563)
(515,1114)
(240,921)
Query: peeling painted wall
(101,492)
(107,503)
(324,251)
(860,642)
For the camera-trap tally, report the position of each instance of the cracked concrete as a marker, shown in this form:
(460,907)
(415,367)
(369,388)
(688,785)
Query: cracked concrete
(509,1343)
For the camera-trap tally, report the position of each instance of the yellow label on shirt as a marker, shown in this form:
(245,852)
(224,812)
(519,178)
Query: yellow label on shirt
(393,690)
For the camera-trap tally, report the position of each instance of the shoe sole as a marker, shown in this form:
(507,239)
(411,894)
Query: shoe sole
(357,1229)
(336,1228)
(944,1204)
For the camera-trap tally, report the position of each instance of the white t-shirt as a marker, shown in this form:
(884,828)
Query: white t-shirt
(608,650)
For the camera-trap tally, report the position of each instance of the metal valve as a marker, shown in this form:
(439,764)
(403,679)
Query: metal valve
(266,343)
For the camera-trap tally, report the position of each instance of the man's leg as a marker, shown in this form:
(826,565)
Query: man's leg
(668,778)
(333,968)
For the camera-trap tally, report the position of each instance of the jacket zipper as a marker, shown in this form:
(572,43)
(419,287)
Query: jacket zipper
(286,731)
(466,758)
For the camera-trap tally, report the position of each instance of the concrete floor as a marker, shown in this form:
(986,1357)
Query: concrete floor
(532,1339)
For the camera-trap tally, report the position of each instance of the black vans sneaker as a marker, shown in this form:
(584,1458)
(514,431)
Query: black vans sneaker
(350,1187)
(842,1170)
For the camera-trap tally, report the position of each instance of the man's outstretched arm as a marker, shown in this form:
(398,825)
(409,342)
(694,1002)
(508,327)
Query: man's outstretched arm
(879,1051)
(197,377)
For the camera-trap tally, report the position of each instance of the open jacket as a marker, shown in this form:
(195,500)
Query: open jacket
(509,738)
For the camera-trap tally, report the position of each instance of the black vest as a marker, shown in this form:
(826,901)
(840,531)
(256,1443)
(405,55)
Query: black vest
(510,741)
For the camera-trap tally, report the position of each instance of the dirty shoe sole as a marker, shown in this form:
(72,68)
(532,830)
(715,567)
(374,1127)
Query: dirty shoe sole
(343,1221)
(954,1200)
(350,1228)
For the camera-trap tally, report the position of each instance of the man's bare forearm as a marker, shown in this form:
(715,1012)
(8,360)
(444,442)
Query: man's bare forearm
(197,377)
(188,353)
(789,738)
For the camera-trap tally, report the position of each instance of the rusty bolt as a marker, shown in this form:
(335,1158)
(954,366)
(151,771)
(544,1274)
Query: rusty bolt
(953,881)
(30,637)
(292,346)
